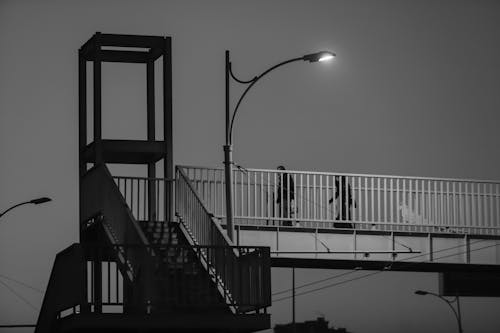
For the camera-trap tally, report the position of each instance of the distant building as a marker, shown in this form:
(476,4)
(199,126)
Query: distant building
(319,325)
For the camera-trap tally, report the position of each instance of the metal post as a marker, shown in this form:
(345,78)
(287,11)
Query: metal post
(167,129)
(97,102)
(150,91)
(459,317)
(228,168)
(228,160)
(293,299)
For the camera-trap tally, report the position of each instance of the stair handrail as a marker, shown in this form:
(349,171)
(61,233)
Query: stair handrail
(223,239)
(209,232)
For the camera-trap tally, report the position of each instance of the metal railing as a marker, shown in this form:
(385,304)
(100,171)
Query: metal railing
(329,200)
(146,197)
(204,229)
(171,279)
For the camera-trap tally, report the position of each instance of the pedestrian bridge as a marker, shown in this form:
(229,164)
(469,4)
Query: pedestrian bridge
(394,219)
(406,223)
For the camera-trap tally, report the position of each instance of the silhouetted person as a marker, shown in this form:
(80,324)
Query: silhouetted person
(285,196)
(344,191)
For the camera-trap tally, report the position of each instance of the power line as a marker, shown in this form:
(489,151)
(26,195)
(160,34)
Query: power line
(377,272)
(19,296)
(355,270)
(314,282)
(21,283)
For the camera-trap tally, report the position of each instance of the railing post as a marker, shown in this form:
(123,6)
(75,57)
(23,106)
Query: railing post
(97,280)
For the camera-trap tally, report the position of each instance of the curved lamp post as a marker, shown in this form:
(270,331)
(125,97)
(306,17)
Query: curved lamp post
(37,201)
(228,147)
(456,312)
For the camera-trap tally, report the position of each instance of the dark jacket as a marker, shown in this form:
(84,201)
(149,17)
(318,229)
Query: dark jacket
(285,184)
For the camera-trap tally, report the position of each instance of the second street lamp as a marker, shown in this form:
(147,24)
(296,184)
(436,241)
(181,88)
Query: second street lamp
(37,201)
(228,147)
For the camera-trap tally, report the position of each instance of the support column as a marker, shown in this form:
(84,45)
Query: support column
(151,134)
(97,102)
(167,129)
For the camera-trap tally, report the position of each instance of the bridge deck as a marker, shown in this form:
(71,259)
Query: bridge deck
(373,249)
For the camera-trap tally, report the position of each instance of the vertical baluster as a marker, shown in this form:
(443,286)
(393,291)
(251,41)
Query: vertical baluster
(404,204)
(441,217)
(255,194)
(366,200)
(275,194)
(385,219)
(410,204)
(429,204)
(248,194)
(454,204)
(125,190)
(480,206)
(359,209)
(320,208)
(490,204)
(301,210)
(391,198)
(308,198)
(447,211)
(460,205)
(270,196)
(497,194)
(473,205)
(378,201)
(327,198)
(314,202)
(422,201)
(261,194)
(347,194)
(109,281)
(157,208)
(117,283)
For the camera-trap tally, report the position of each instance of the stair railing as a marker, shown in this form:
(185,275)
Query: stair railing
(240,274)
(103,203)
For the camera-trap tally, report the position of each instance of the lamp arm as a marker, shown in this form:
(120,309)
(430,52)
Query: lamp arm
(251,84)
(238,80)
(451,306)
(11,208)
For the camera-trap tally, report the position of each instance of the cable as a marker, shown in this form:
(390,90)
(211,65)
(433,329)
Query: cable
(314,282)
(377,272)
(21,283)
(411,264)
(20,296)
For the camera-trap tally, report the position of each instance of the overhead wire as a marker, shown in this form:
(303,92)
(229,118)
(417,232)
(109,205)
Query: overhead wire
(19,296)
(385,268)
(356,270)
(381,271)
(21,283)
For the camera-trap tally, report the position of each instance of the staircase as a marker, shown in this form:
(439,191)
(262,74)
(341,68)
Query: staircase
(160,269)
(139,267)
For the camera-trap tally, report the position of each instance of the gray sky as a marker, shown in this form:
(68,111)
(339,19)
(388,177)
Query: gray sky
(413,91)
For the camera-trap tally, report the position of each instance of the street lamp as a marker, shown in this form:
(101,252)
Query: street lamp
(37,201)
(456,312)
(228,147)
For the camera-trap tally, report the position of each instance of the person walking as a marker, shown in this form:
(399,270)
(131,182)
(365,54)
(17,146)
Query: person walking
(285,198)
(343,193)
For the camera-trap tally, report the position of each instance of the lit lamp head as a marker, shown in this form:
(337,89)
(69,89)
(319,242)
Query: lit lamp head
(319,56)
